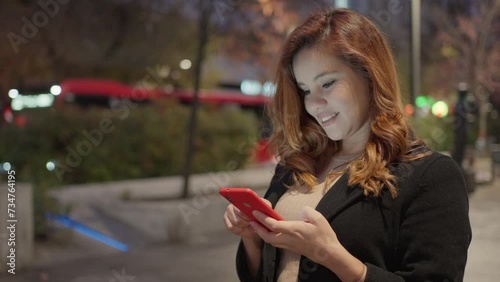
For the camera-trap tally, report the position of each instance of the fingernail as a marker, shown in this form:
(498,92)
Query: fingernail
(256,214)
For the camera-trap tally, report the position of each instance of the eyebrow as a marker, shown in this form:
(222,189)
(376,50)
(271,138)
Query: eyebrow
(320,75)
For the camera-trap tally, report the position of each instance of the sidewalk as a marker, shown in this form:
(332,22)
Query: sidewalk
(483,263)
(151,209)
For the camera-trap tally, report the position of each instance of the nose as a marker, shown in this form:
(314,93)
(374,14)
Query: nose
(316,99)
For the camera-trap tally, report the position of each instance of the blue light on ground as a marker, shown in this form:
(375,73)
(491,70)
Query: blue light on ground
(87,231)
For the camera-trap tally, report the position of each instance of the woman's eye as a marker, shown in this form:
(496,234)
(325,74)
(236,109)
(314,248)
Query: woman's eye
(306,92)
(327,85)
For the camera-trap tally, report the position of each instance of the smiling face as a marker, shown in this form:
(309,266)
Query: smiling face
(336,96)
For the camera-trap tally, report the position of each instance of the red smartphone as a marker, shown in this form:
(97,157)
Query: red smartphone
(247,201)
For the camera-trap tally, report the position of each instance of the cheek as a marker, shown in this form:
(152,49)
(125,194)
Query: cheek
(309,107)
(365,106)
(359,112)
(366,111)
(364,98)
(360,105)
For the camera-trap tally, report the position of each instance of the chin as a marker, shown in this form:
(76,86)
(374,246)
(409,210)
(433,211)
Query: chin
(334,136)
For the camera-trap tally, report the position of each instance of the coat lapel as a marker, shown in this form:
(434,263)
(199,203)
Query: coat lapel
(276,194)
(339,197)
(277,188)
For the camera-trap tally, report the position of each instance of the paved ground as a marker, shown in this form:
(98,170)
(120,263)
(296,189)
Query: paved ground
(209,260)
(211,257)
(484,262)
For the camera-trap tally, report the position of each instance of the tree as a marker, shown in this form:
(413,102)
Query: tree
(253,32)
(467,38)
(110,38)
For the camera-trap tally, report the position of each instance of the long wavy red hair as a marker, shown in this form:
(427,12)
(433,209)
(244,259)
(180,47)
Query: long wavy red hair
(299,140)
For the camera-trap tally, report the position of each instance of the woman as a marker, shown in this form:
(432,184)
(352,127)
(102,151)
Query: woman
(363,199)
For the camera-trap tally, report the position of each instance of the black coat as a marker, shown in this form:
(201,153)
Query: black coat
(422,235)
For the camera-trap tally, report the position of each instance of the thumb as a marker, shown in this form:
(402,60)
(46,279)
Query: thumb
(311,215)
(267,202)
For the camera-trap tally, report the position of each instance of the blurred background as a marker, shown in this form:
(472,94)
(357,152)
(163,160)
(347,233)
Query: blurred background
(121,119)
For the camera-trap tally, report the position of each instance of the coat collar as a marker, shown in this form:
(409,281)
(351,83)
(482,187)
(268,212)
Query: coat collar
(339,197)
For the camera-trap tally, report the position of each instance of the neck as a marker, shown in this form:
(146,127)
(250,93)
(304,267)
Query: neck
(356,143)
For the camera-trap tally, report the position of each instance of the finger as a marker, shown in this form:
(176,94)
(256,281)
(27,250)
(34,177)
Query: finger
(265,234)
(278,240)
(231,227)
(278,226)
(267,202)
(232,212)
(268,221)
(241,215)
(237,214)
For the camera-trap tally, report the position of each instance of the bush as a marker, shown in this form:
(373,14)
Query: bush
(128,141)
(436,132)
(95,145)
(439,133)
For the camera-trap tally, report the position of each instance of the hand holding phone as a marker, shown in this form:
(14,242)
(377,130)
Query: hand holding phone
(246,200)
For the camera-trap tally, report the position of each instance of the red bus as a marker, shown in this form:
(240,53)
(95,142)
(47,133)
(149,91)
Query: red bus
(102,92)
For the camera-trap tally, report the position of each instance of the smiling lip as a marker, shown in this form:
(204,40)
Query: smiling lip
(327,119)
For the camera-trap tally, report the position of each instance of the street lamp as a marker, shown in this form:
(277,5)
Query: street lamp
(185,64)
(342,3)
(415,50)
